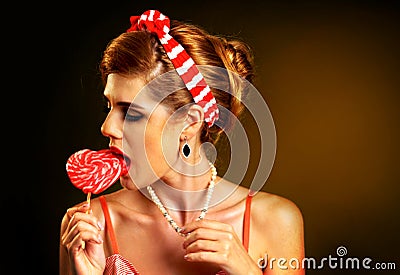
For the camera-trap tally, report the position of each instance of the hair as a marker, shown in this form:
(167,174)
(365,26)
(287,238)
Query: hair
(140,54)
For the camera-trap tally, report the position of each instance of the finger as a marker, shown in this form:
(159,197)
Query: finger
(85,229)
(207,256)
(79,214)
(205,223)
(87,218)
(81,208)
(79,240)
(206,234)
(204,245)
(70,214)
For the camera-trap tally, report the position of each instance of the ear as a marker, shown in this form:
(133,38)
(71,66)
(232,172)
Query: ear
(193,122)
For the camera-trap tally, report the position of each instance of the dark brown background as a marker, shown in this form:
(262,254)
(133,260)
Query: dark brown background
(329,71)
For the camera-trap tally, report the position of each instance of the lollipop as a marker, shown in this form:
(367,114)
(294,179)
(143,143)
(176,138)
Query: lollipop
(95,171)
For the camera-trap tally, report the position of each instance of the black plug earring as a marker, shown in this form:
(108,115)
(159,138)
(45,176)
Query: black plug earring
(186,149)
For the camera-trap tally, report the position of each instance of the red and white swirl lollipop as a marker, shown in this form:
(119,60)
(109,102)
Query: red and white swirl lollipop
(95,171)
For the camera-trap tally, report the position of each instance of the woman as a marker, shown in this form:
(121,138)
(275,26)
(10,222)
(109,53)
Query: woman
(174,215)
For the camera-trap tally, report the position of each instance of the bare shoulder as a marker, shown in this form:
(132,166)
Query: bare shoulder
(277,226)
(276,214)
(267,208)
(276,230)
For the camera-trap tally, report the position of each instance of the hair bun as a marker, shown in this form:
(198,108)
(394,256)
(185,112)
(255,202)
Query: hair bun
(241,58)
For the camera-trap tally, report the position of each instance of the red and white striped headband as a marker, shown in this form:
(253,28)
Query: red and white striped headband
(157,23)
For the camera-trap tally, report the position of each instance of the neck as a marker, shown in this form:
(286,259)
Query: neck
(182,201)
(178,199)
(186,190)
(188,175)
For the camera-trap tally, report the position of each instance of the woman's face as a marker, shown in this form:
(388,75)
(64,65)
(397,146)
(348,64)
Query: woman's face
(138,125)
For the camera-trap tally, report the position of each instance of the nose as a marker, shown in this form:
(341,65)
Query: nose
(112,126)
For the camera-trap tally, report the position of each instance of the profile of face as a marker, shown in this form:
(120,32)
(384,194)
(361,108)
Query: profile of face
(147,131)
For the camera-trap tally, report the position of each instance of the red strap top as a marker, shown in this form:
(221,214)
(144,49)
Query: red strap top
(117,264)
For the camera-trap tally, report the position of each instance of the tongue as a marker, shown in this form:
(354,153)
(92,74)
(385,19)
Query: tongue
(95,171)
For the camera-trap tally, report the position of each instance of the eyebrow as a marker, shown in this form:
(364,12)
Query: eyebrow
(126,104)
(129,105)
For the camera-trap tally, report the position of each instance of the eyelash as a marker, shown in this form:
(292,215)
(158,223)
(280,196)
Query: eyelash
(132,118)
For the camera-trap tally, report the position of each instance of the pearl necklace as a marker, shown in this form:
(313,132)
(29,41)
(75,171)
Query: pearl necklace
(204,210)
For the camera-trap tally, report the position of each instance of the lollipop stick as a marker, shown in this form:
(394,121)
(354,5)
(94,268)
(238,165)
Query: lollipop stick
(87,212)
(88,198)
(88,201)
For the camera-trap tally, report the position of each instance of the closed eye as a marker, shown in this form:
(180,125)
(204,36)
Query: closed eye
(132,115)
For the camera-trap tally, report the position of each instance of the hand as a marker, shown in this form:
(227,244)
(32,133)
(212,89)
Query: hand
(83,241)
(215,242)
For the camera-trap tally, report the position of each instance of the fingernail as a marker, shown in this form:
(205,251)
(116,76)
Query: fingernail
(99,238)
(101,227)
(186,257)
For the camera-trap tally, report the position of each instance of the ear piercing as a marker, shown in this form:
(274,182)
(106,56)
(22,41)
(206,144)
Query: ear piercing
(186,149)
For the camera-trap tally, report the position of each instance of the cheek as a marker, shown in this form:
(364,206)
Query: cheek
(152,144)
(144,150)
(162,146)
(170,147)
